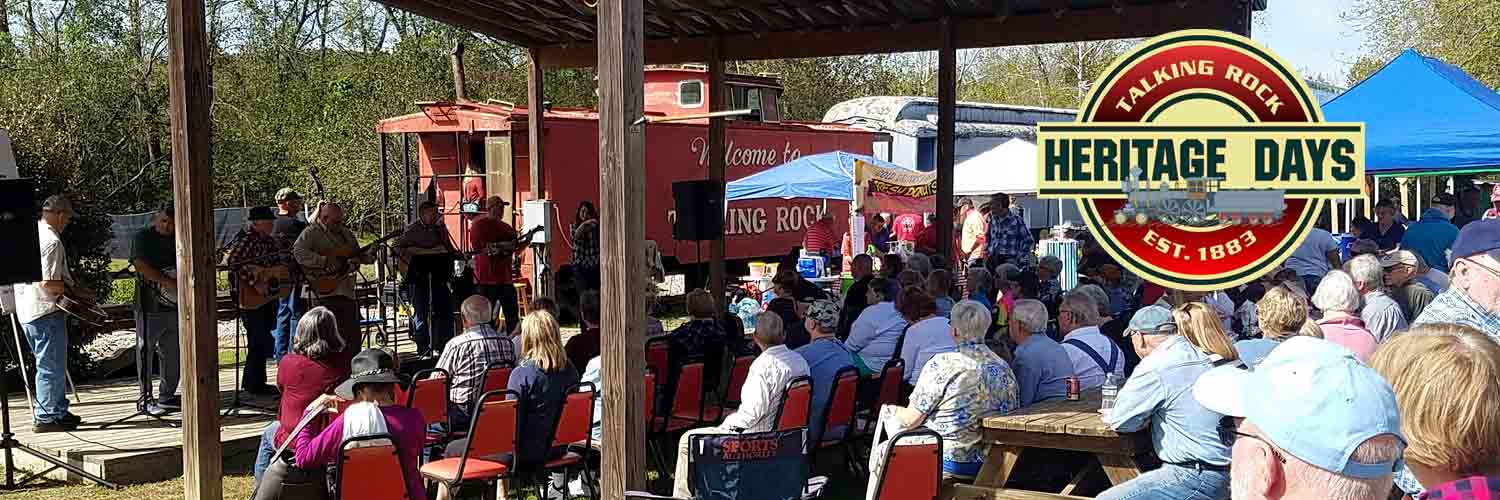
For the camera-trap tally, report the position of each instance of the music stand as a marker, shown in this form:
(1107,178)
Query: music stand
(143,368)
(235,403)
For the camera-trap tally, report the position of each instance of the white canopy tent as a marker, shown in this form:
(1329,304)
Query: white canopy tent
(1009,168)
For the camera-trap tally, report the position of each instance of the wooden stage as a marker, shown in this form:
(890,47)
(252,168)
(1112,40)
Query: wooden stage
(140,450)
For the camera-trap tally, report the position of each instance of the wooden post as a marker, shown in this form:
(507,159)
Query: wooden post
(622,189)
(717,129)
(947,113)
(535,149)
(456,59)
(192,187)
(385,203)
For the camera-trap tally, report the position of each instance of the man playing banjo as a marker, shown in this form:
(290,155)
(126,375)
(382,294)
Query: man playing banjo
(153,252)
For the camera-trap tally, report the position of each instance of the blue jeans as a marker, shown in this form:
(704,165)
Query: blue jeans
(288,311)
(1172,481)
(267,449)
(48,336)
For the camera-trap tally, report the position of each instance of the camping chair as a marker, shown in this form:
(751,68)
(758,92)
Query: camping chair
(796,404)
(380,476)
(496,413)
(838,411)
(430,396)
(574,430)
(914,461)
(736,467)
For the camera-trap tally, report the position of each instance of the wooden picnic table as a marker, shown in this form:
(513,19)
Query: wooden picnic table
(1057,425)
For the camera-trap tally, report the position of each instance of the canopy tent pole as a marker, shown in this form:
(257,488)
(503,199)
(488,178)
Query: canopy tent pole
(622,175)
(190,96)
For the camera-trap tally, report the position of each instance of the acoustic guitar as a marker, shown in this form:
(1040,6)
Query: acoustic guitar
(325,281)
(266,284)
(509,246)
(82,306)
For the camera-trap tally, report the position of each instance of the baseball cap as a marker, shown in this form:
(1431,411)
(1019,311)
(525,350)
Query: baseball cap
(1149,319)
(1396,257)
(58,203)
(1481,236)
(1312,398)
(287,193)
(825,313)
(261,213)
(1444,199)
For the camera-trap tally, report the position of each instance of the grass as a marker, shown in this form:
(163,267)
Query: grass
(235,487)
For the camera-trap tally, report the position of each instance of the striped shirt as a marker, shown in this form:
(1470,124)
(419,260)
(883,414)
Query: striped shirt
(467,356)
(819,237)
(1469,488)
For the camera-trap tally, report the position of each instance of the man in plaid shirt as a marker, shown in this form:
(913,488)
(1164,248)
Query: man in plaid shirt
(467,357)
(1008,235)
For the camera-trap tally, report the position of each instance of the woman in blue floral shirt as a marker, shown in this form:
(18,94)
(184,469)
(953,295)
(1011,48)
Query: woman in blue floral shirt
(958,390)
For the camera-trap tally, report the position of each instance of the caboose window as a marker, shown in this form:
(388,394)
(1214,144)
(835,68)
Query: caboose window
(690,93)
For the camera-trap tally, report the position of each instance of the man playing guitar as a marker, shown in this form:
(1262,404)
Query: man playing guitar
(495,243)
(261,265)
(153,252)
(427,262)
(328,249)
(45,324)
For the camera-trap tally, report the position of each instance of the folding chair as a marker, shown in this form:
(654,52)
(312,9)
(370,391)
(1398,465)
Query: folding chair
(496,413)
(658,357)
(739,371)
(380,476)
(796,404)
(429,395)
(839,412)
(914,461)
(882,390)
(686,400)
(574,430)
(756,466)
(495,378)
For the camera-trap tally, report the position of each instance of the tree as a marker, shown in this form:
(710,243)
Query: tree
(1465,33)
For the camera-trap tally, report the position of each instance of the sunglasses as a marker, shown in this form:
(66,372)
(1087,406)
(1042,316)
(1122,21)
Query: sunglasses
(1229,433)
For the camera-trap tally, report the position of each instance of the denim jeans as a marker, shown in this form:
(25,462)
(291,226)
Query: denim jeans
(267,449)
(1175,482)
(48,336)
(430,295)
(288,311)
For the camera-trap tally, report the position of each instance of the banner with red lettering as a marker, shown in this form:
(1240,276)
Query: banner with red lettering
(879,189)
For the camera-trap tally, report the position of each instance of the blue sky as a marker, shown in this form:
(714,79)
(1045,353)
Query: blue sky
(1310,35)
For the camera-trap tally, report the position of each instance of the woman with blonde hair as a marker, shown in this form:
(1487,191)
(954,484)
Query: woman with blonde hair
(1176,347)
(1282,314)
(1446,378)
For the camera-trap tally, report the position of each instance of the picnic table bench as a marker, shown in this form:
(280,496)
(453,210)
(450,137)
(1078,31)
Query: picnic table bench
(1057,425)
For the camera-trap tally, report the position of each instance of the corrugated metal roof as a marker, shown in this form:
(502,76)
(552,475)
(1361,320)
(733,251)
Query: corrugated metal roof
(916,116)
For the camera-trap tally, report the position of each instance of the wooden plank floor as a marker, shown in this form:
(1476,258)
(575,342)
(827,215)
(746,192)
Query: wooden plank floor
(141,449)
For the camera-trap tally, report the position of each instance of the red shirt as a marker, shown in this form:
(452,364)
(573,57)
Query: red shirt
(301,380)
(819,237)
(473,189)
(491,269)
(906,227)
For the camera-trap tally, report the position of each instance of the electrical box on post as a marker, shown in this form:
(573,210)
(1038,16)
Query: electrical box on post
(538,213)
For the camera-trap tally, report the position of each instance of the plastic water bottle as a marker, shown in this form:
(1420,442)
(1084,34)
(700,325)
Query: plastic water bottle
(1110,389)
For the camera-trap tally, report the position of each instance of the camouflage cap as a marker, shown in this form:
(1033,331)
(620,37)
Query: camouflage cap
(825,313)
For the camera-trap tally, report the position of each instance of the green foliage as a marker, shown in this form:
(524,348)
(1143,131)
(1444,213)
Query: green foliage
(1465,33)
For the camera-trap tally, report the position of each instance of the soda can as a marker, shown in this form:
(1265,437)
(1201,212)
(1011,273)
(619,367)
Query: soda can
(1074,388)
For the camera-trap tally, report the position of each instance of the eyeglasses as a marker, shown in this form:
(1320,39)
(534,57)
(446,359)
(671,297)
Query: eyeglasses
(1229,433)
(1475,263)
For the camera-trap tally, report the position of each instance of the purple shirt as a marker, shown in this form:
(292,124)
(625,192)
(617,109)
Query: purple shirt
(1350,332)
(1469,488)
(405,424)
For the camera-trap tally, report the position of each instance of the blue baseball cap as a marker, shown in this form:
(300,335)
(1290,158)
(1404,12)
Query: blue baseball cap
(1480,236)
(1312,398)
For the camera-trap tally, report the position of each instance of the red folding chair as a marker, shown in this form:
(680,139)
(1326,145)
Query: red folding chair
(796,404)
(739,371)
(874,392)
(658,355)
(495,378)
(687,400)
(574,430)
(914,462)
(838,411)
(380,476)
(495,413)
(429,395)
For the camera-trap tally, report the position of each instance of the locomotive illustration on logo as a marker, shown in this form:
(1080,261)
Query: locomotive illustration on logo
(1197,202)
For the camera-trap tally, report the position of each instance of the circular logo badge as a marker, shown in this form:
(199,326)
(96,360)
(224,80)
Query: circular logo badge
(1200,160)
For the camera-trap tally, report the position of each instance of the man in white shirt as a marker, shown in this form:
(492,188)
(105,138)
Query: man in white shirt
(1093,354)
(46,326)
(759,398)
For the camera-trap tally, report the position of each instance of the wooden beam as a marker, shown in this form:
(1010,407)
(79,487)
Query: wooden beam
(717,129)
(947,138)
(1135,21)
(190,96)
(440,10)
(535,124)
(622,174)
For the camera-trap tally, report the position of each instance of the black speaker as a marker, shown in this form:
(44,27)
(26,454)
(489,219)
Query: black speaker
(18,216)
(700,215)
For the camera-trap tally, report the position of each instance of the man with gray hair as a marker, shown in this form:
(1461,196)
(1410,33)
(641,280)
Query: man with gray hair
(1093,354)
(1042,366)
(1381,314)
(468,356)
(45,325)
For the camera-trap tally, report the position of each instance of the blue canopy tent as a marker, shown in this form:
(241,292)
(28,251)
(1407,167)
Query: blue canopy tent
(1423,117)
(828,176)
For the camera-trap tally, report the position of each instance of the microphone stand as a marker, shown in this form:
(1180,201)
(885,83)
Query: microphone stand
(235,403)
(145,354)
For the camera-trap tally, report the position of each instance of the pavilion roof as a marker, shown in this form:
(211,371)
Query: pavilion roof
(563,31)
